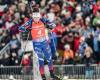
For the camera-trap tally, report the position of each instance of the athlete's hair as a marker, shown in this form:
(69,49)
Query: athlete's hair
(36,9)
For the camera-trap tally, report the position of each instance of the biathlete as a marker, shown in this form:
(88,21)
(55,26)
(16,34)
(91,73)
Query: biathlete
(36,24)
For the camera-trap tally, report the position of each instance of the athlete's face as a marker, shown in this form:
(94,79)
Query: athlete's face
(36,16)
(36,19)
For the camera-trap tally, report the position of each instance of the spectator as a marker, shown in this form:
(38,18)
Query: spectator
(76,41)
(96,7)
(6,37)
(67,18)
(6,59)
(14,59)
(26,64)
(2,45)
(88,58)
(86,8)
(14,44)
(88,32)
(82,47)
(68,38)
(68,55)
(95,43)
(96,20)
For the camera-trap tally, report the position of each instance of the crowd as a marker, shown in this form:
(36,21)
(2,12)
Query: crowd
(77,28)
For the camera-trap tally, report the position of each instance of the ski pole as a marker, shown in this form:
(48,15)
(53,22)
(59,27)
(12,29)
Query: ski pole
(54,44)
(25,46)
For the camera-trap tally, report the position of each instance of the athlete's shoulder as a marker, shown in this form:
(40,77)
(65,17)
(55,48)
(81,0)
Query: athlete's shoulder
(29,22)
(30,19)
(44,20)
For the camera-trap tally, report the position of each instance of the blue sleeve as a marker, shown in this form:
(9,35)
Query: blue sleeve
(22,28)
(85,45)
(47,22)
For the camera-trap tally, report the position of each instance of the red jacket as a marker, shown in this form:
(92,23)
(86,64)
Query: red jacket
(76,43)
(95,8)
(26,62)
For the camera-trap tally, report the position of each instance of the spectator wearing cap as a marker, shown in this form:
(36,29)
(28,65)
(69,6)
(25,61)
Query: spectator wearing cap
(68,55)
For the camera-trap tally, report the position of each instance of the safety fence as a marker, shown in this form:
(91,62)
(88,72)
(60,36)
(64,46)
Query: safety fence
(91,72)
(70,71)
(5,50)
(16,73)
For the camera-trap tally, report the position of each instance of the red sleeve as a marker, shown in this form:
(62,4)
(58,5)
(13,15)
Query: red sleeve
(94,9)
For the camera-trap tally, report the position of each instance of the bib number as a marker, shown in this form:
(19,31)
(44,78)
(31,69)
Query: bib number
(39,32)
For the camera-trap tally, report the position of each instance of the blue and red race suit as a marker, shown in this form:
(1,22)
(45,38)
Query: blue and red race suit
(40,43)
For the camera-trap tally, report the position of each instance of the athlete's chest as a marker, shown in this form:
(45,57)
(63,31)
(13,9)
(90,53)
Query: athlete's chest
(37,25)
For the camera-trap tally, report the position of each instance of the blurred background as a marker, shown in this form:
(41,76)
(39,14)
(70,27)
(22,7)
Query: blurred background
(77,29)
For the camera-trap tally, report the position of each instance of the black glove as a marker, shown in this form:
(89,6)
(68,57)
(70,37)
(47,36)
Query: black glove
(54,57)
(45,62)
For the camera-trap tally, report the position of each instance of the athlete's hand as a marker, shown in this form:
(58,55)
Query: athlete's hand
(22,29)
